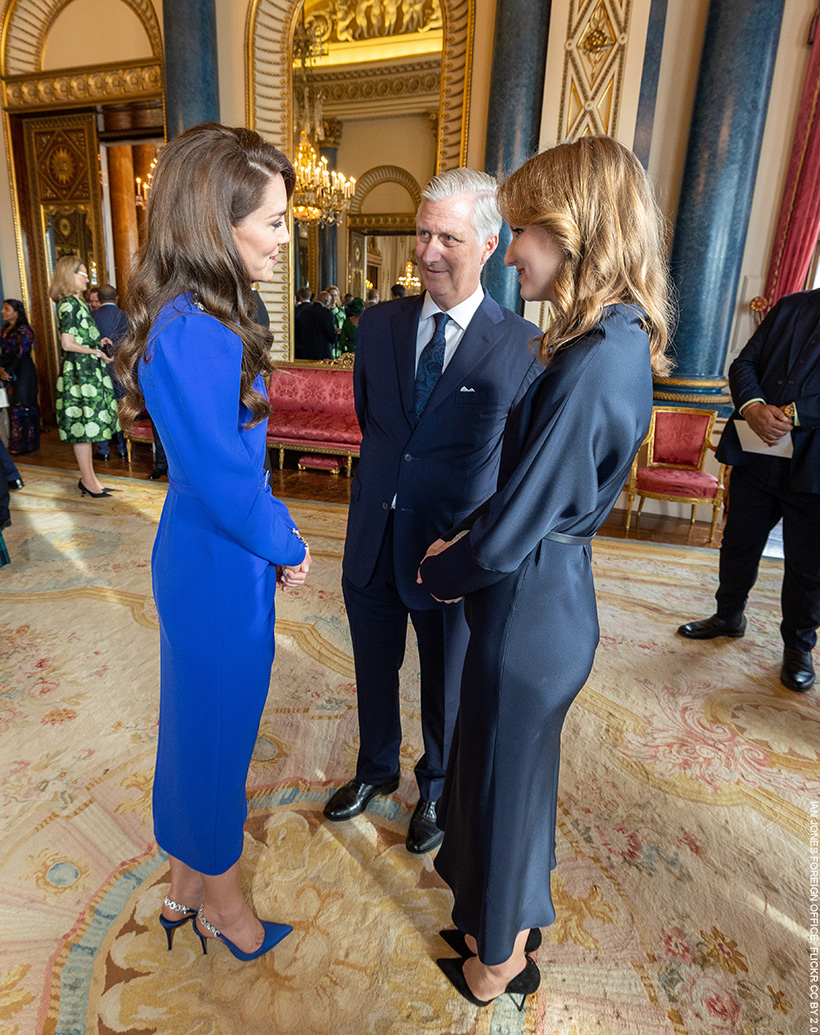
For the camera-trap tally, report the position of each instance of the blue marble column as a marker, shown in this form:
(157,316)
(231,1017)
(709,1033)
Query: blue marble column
(514,115)
(191,79)
(728,119)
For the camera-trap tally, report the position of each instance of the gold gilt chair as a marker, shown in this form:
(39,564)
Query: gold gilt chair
(677,442)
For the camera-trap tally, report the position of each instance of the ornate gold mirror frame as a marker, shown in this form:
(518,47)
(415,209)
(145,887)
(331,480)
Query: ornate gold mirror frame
(269,47)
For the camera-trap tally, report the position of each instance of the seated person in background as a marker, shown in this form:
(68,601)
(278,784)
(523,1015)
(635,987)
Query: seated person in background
(316,330)
(398,291)
(347,339)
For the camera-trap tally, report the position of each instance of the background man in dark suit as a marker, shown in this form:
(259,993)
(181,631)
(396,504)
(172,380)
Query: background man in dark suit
(112,324)
(775,383)
(434,379)
(315,330)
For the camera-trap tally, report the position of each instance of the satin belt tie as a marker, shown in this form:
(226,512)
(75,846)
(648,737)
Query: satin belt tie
(569,540)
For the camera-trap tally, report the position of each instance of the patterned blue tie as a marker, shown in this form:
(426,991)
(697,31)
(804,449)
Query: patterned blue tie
(431,362)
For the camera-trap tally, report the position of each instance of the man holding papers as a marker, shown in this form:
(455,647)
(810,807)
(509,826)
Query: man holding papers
(773,445)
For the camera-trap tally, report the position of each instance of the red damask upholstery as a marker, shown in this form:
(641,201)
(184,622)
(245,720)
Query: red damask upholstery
(140,431)
(676,446)
(313,411)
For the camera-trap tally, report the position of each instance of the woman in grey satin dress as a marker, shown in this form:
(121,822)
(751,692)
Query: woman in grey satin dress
(587,237)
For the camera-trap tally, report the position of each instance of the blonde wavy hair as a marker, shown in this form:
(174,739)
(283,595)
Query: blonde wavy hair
(595,201)
(62,283)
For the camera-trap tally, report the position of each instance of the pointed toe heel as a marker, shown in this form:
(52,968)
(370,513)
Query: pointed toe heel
(274,933)
(522,984)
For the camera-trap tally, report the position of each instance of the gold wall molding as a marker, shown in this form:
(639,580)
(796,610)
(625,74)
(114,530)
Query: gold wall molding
(345,23)
(594,62)
(383,222)
(692,382)
(384,174)
(81,86)
(682,397)
(27,23)
(269,64)
(385,89)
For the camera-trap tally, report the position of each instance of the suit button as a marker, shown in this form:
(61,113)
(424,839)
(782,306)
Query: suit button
(780,382)
(407,456)
(385,506)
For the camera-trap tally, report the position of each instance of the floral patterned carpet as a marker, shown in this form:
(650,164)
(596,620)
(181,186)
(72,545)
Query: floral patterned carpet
(682,873)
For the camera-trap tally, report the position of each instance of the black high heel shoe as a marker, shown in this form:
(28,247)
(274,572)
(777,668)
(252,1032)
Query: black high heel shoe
(87,492)
(171,925)
(456,940)
(274,933)
(522,984)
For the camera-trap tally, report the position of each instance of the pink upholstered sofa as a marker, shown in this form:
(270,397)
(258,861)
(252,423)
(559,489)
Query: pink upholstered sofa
(312,411)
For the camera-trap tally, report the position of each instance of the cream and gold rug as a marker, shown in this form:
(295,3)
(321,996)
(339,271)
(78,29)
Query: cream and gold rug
(682,886)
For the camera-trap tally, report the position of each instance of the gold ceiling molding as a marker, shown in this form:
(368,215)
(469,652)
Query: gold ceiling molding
(27,23)
(371,90)
(346,21)
(383,222)
(73,87)
(384,174)
(269,63)
(594,60)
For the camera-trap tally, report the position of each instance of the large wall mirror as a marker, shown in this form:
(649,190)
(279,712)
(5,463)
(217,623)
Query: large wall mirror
(378,89)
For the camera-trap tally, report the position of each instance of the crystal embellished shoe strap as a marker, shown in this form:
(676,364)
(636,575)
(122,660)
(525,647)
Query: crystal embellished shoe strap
(176,907)
(208,927)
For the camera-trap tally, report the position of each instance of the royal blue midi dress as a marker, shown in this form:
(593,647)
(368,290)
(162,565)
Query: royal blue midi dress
(524,570)
(213,567)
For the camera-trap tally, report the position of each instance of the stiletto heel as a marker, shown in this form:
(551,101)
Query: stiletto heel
(170,926)
(87,492)
(522,984)
(274,933)
(455,939)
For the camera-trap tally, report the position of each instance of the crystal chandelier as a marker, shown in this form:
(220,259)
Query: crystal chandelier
(321,195)
(410,281)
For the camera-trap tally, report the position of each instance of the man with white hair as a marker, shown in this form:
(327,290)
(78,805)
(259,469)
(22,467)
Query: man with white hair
(435,378)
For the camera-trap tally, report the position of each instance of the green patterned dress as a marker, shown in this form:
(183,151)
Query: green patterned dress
(86,408)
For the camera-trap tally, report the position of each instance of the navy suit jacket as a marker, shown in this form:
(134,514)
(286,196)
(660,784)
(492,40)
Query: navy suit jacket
(781,364)
(112,323)
(442,468)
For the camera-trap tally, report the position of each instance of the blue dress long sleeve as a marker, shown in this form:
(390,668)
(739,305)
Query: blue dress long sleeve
(220,537)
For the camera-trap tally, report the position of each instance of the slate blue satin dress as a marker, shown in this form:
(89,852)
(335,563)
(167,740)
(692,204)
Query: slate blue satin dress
(213,566)
(530,604)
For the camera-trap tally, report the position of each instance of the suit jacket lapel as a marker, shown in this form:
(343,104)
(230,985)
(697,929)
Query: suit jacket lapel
(404,327)
(479,338)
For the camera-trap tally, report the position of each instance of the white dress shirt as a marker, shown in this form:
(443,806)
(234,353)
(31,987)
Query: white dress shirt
(460,316)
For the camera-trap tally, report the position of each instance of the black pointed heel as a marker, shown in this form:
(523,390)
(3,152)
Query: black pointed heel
(522,984)
(457,942)
(170,926)
(87,492)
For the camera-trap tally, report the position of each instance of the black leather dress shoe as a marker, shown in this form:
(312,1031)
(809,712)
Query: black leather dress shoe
(17,483)
(709,628)
(423,835)
(351,799)
(102,457)
(156,474)
(798,671)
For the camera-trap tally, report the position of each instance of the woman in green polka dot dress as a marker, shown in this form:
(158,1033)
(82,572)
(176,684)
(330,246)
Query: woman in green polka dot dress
(86,408)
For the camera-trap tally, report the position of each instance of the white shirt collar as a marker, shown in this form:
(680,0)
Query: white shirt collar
(460,314)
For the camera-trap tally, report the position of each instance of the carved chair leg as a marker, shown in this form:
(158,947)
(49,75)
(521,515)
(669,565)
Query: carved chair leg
(630,500)
(281,458)
(640,508)
(128,448)
(692,519)
(715,515)
(349,465)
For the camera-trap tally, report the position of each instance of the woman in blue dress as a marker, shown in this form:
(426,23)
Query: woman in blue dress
(195,357)
(587,237)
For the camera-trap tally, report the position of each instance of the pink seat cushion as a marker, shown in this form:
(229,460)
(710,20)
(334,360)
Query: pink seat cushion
(679,437)
(677,483)
(305,426)
(141,430)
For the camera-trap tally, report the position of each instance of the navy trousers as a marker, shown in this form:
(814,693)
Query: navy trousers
(759,497)
(378,627)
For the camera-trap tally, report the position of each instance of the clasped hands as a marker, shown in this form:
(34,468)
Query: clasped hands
(439,546)
(768,422)
(289,577)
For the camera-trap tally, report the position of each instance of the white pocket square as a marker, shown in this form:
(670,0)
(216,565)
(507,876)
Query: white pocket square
(464,388)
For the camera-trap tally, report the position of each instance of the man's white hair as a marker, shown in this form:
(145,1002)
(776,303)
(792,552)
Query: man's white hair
(480,186)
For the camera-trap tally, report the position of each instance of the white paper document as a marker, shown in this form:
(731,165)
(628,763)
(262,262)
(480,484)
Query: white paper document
(750,443)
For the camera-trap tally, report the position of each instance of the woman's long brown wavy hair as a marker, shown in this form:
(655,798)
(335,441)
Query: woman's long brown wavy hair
(595,201)
(207,180)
